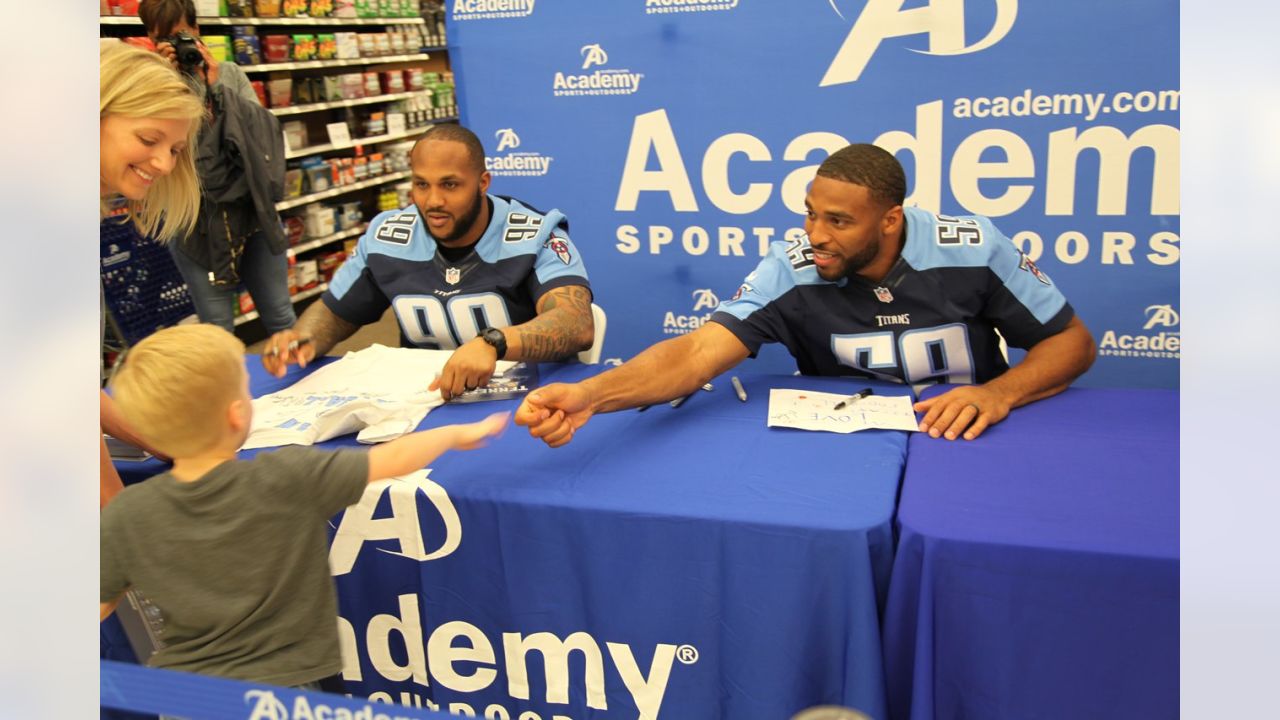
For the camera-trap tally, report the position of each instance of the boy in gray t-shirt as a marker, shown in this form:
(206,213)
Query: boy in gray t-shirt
(233,553)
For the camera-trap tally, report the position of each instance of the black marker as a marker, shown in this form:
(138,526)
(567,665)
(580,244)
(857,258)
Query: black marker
(853,398)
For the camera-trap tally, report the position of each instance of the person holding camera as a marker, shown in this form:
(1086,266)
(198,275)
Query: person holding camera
(239,238)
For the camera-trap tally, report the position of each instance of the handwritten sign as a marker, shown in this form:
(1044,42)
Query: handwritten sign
(808,410)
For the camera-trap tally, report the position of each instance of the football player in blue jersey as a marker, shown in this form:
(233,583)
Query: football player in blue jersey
(486,276)
(875,290)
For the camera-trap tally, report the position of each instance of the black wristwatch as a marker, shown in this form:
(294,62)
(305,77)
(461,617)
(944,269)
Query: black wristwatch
(494,337)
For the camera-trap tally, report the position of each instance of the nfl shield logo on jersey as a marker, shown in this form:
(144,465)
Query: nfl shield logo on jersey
(883,295)
(452,275)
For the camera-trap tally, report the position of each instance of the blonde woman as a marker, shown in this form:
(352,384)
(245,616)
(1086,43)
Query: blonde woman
(148,118)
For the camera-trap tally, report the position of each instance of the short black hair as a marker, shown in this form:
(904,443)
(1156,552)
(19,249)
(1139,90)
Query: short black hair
(454,132)
(872,167)
(159,16)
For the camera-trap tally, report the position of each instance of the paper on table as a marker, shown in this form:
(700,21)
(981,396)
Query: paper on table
(379,392)
(808,410)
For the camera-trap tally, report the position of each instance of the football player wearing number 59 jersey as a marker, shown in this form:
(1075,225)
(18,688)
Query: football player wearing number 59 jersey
(485,276)
(874,290)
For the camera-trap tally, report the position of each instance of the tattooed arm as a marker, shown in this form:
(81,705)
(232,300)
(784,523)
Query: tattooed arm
(562,328)
(320,325)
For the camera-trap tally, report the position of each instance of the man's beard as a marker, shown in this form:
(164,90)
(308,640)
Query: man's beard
(862,259)
(463,224)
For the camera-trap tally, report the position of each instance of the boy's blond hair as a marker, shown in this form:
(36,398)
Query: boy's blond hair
(135,83)
(175,387)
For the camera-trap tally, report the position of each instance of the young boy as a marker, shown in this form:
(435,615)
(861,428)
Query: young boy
(233,552)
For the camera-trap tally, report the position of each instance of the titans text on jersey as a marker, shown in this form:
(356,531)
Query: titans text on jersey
(442,304)
(933,318)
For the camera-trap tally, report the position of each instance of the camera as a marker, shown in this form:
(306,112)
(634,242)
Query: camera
(187,51)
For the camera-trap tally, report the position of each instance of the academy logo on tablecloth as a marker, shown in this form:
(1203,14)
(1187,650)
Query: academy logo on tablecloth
(655,7)
(704,303)
(1158,338)
(523,163)
(491,9)
(942,20)
(600,81)
(418,542)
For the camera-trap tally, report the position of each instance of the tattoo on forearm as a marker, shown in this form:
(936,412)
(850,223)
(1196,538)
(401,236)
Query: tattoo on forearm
(323,327)
(556,333)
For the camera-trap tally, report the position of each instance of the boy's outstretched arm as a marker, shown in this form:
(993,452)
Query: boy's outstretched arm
(416,450)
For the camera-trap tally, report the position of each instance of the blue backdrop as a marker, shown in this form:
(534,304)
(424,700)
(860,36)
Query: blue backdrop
(679,137)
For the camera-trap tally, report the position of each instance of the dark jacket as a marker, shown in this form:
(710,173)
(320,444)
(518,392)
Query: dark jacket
(240,161)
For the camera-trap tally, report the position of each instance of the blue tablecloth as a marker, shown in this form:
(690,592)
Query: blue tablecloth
(686,559)
(1037,568)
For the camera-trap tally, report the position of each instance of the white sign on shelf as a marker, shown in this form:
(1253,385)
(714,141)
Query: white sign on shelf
(395,123)
(339,134)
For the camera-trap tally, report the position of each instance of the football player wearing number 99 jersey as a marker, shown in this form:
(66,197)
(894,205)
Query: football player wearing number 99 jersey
(875,290)
(485,276)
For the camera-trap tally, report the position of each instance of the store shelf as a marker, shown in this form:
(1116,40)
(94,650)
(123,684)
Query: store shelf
(316,107)
(253,314)
(133,20)
(327,239)
(372,140)
(343,190)
(373,60)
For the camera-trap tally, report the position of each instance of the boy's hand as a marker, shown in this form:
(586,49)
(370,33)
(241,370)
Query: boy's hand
(474,435)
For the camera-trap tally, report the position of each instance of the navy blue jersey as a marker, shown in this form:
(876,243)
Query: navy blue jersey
(442,304)
(931,319)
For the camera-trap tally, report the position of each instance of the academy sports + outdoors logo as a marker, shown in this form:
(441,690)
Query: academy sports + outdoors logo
(941,20)
(491,9)
(600,81)
(1165,343)
(524,163)
(655,7)
(704,303)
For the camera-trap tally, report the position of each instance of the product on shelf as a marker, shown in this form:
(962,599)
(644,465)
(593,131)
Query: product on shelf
(387,200)
(349,214)
(239,8)
(245,304)
(382,42)
(320,220)
(376,124)
(392,81)
(368,45)
(332,88)
(320,8)
(344,8)
(329,263)
(277,48)
(304,47)
(361,168)
(308,274)
(294,8)
(366,8)
(219,47)
(295,134)
(404,194)
(260,89)
(352,86)
(413,79)
(326,46)
(348,45)
(245,41)
(280,91)
(267,8)
(295,229)
(372,85)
